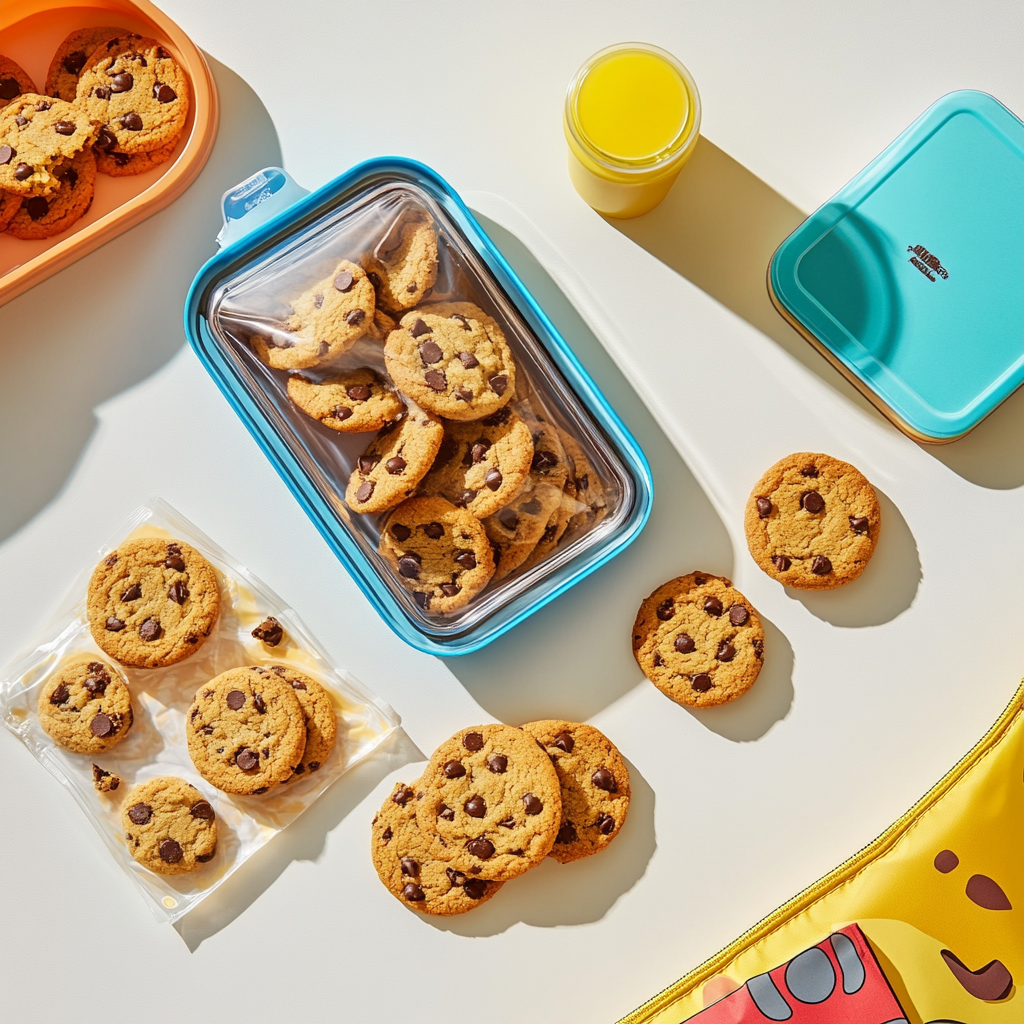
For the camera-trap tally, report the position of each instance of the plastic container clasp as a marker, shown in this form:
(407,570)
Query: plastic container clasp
(255,201)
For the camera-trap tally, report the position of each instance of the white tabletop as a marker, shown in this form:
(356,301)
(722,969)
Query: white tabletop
(868,695)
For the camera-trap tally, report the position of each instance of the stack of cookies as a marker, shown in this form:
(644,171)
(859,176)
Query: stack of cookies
(493,802)
(115,102)
(471,475)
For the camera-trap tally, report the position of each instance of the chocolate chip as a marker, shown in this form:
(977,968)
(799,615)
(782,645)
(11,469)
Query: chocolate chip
(436,380)
(475,888)
(713,606)
(543,461)
(701,682)
(764,508)
(738,615)
(479,451)
(400,532)
(106,140)
(564,741)
(343,280)
(507,823)
(413,893)
(409,567)
(354,317)
(178,592)
(170,851)
(530,508)
(114,624)
(202,809)
(466,559)
(395,465)
(358,392)
(463,498)
(72,64)
(482,848)
(473,740)
(468,360)
(150,630)
(781,562)
(60,695)
(566,835)
(493,479)
(247,759)
(411,287)
(498,383)
(447,813)
(475,807)
(367,462)
(403,795)
(859,524)
(508,519)
(497,763)
(6,154)
(812,501)
(422,599)
(139,814)
(410,867)
(466,326)
(811,471)
(235,699)
(604,779)
(37,207)
(163,93)
(101,92)
(387,834)
(605,824)
(450,589)
(23,171)
(418,329)
(122,82)
(203,858)
(725,652)
(453,769)
(365,490)
(97,685)
(174,560)
(270,631)
(259,704)
(684,643)
(666,609)
(21,121)
(533,804)
(130,122)
(820,565)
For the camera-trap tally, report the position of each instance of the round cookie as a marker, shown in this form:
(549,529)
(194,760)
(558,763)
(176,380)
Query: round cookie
(86,706)
(138,92)
(595,786)
(396,461)
(152,603)
(589,489)
(38,136)
(414,867)
(351,401)
(483,464)
(168,826)
(246,730)
(438,552)
(453,359)
(812,522)
(121,165)
(14,80)
(73,55)
(699,640)
(321,719)
(46,216)
(492,795)
(403,266)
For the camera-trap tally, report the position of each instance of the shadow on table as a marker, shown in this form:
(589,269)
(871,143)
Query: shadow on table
(302,840)
(113,318)
(553,894)
(574,661)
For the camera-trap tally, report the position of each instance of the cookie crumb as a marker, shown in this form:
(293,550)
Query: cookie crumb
(103,781)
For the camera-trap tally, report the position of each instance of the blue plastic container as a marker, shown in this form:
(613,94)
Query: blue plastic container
(910,280)
(277,239)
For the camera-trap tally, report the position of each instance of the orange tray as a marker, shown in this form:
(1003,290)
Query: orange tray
(30,32)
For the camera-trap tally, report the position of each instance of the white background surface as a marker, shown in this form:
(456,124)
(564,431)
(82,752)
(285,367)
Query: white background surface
(869,694)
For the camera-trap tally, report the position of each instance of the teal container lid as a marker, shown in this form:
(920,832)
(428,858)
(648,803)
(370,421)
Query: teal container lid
(911,278)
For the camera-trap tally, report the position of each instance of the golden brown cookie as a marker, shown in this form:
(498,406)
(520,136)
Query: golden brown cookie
(812,522)
(438,552)
(246,730)
(168,826)
(321,719)
(73,55)
(152,603)
(699,640)
(46,216)
(414,866)
(492,795)
(14,80)
(86,706)
(104,781)
(123,165)
(453,359)
(351,401)
(403,266)
(595,786)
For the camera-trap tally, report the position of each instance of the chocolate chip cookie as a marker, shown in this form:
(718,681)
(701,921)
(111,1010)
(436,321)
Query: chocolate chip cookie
(438,552)
(381,327)
(414,865)
(124,165)
(812,522)
(556,526)
(321,719)
(46,216)
(14,80)
(453,359)
(483,464)
(246,730)
(86,706)
(589,489)
(595,786)
(138,92)
(403,266)
(169,827)
(492,796)
(73,55)
(351,401)
(152,603)
(396,461)
(38,137)
(699,640)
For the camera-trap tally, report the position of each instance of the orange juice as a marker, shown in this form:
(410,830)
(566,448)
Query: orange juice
(632,119)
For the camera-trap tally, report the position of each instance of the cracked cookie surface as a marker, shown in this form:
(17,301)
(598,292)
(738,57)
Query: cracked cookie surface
(351,401)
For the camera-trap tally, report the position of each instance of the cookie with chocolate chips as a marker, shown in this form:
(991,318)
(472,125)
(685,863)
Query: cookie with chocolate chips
(491,796)
(321,719)
(246,730)
(152,603)
(453,359)
(350,401)
(72,57)
(397,459)
(699,640)
(595,786)
(812,522)
(169,826)
(14,80)
(438,552)
(49,215)
(403,266)
(483,464)
(125,165)
(137,91)
(414,866)
(86,706)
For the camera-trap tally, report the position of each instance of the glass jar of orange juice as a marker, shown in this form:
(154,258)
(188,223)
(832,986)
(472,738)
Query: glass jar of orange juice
(632,119)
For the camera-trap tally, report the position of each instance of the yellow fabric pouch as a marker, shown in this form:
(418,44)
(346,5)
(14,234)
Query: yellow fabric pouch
(924,925)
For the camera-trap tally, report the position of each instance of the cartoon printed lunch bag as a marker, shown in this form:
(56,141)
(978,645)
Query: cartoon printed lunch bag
(924,926)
